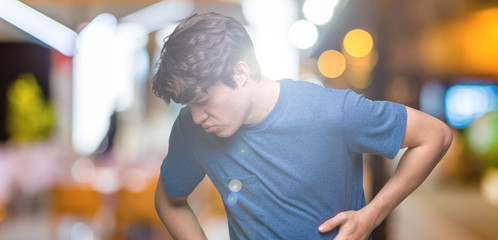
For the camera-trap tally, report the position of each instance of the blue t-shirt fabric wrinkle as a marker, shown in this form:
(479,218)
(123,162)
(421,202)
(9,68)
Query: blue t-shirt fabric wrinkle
(297,167)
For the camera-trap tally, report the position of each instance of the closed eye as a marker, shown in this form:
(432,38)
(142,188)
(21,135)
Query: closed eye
(201,102)
(204,102)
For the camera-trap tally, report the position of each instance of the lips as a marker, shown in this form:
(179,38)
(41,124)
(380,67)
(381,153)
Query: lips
(209,128)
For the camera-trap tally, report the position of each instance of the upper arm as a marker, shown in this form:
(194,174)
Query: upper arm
(164,199)
(180,170)
(375,127)
(423,129)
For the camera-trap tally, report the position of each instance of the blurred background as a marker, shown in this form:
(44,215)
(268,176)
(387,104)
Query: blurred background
(82,137)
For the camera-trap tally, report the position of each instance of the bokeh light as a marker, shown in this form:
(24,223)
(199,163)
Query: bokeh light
(269,24)
(29,116)
(232,199)
(94,87)
(359,69)
(235,185)
(358,43)
(331,63)
(162,34)
(83,170)
(81,231)
(319,11)
(489,186)
(135,180)
(478,40)
(464,46)
(269,13)
(106,180)
(464,103)
(303,34)
(39,25)
(482,137)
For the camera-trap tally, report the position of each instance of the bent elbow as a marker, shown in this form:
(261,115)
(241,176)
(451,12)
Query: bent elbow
(156,202)
(447,137)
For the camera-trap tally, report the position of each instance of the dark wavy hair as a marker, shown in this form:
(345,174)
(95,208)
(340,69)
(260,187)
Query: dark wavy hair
(202,50)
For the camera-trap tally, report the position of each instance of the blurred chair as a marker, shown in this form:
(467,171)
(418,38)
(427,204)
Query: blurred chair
(76,200)
(136,217)
(71,204)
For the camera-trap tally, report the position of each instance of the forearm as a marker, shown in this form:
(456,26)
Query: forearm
(177,216)
(414,167)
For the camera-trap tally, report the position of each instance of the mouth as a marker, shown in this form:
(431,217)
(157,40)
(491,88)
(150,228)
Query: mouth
(209,128)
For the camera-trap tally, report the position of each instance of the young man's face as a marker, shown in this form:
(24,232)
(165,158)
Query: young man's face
(222,110)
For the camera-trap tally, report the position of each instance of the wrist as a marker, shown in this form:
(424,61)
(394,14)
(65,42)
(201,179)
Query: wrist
(373,214)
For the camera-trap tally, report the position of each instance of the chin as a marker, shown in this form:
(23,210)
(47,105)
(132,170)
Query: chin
(224,134)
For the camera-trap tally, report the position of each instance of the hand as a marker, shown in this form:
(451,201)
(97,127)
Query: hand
(352,225)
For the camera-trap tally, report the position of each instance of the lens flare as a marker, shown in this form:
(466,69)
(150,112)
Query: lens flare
(232,199)
(235,185)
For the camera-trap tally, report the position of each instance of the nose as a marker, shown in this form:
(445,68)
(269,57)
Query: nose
(198,114)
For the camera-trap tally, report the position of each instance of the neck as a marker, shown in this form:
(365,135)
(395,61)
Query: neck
(264,97)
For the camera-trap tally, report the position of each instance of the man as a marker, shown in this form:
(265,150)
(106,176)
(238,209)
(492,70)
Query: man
(286,156)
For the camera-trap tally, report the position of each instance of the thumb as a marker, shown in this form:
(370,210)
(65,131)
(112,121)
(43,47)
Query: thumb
(332,223)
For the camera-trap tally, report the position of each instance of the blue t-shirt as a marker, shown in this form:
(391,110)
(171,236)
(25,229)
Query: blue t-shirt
(298,167)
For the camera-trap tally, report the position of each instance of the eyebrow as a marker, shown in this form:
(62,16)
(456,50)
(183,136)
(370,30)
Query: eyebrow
(199,98)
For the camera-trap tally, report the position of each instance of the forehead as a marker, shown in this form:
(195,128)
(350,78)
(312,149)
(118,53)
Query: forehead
(203,94)
(213,90)
(199,97)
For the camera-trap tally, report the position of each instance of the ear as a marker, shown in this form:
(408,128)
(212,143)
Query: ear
(241,73)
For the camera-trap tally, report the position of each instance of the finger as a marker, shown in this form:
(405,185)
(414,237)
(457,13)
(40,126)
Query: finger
(344,233)
(332,223)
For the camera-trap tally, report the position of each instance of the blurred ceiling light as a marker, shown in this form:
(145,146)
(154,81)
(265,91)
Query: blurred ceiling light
(269,23)
(274,13)
(331,64)
(303,34)
(130,64)
(160,14)
(358,43)
(163,33)
(94,87)
(39,26)
(319,11)
(100,28)
(131,36)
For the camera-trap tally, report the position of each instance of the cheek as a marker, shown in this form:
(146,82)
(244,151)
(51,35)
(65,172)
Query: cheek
(232,107)
(238,106)
(230,112)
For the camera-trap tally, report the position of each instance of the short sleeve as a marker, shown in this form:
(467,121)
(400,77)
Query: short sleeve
(180,172)
(375,127)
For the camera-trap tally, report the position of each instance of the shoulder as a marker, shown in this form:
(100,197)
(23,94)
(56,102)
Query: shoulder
(313,100)
(309,89)
(184,122)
